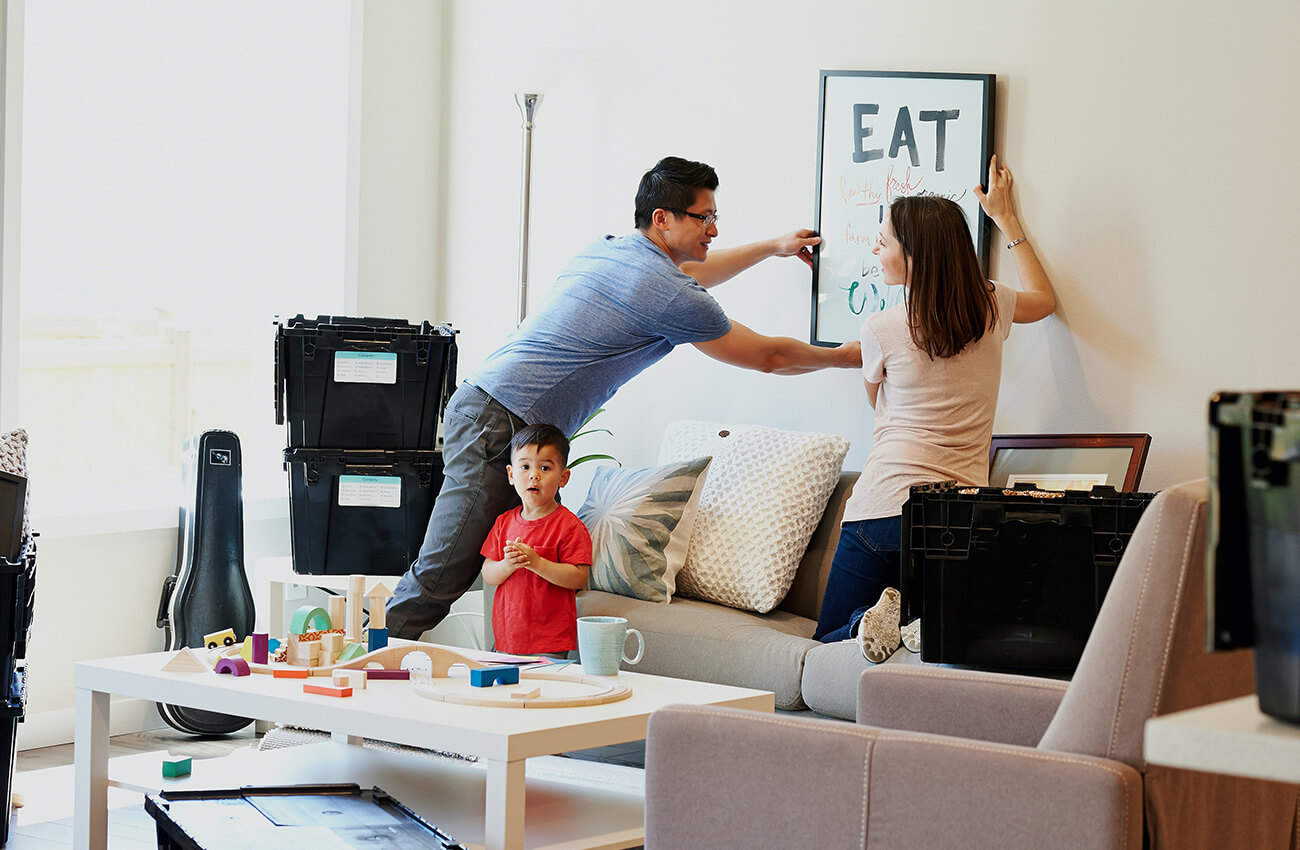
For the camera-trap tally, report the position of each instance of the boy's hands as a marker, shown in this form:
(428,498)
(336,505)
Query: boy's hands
(520,554)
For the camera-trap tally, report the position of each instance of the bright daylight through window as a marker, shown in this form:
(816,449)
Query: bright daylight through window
(184,179)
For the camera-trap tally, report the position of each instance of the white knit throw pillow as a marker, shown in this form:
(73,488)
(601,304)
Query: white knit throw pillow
(764,494)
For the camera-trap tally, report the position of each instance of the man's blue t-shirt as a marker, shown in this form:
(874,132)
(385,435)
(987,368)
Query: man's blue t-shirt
(619,306)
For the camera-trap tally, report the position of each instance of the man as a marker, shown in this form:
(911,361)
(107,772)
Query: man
(620,306)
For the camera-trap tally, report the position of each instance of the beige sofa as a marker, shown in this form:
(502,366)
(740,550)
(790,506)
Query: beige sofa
(703,641)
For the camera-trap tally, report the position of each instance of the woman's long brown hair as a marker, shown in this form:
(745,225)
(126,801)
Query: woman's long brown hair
(949,303)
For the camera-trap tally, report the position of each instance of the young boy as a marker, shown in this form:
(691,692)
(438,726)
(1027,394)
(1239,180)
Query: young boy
(537,554)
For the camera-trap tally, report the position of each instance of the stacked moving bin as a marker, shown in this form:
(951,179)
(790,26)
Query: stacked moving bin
(17,593)
(362,399)
(1011,579)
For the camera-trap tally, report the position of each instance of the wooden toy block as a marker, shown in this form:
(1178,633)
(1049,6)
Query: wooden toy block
(333,643)
(261,647)
(225,637)
(291,673)
(327,690)
(187,660)
(307,618)
(535,692)
(388,674)
(338,609)
(379,596)
(351,651)
(235,666)
(176,767)
(489,676)
(354,679)
(356,590)
(376,638)
(309,652)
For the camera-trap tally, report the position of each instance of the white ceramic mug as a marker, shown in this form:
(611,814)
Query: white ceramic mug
(600,644)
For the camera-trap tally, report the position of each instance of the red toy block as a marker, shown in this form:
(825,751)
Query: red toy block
(327,690)
(291,673)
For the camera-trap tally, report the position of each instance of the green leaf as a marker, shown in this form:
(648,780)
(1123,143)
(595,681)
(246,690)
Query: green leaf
(591,431)
(584,422)
(586,458)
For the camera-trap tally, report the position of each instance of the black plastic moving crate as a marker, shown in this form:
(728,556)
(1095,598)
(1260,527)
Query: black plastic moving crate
(1254,541)
(358,510)
(290,816)
(1004,579)
(363,383)
(17,595)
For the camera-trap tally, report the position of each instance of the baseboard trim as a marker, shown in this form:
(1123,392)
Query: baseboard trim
(53,728)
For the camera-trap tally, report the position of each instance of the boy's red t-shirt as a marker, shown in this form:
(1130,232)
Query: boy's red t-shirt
(529,614)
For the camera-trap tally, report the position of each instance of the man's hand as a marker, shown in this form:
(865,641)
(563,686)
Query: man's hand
(797,243)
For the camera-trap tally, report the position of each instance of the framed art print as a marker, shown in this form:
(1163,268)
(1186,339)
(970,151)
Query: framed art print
(883,134)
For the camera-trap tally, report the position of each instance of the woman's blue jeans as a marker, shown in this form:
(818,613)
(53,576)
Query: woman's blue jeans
(866,562)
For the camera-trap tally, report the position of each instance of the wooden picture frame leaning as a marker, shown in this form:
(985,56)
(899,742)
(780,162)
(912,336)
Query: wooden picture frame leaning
(1120,457)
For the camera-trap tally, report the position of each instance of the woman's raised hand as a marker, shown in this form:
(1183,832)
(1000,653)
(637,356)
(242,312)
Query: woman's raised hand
(997,201)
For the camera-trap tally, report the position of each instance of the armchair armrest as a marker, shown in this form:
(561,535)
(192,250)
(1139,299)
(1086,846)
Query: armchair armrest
(723,778)
(998,707)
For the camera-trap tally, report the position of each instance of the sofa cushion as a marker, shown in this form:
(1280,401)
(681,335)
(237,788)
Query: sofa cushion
(765,492)
(690,639)
(640,522)
(831,672)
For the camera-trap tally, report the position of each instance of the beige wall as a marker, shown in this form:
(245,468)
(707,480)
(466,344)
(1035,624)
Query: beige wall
(1152,146)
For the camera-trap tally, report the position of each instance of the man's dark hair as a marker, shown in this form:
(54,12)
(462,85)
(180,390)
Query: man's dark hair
(671,184)
(541,435)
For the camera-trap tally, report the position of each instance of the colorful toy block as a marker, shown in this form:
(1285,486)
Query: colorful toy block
(261,647)
(176,767)
(225,637)
(352,651)
(377,638)
(234,666)
(309,615)
(327,690)
(486,677)
(291,673)
(388,674)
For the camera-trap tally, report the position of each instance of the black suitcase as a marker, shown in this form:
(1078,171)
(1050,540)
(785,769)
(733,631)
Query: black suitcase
(208,590)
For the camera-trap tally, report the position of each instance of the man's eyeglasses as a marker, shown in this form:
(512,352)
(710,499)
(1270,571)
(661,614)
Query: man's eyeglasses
(706,220)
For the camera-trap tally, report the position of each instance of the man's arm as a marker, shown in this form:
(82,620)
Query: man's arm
(723,264)
(780,354)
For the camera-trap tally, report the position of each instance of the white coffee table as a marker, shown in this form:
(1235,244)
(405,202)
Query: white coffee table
(502,738)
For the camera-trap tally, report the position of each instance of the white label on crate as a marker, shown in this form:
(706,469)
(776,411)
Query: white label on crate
(370,491)
(365,367)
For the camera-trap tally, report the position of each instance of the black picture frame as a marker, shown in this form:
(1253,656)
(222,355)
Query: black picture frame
(840,300)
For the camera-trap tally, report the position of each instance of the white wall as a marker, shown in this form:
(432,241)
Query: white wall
(1152,148)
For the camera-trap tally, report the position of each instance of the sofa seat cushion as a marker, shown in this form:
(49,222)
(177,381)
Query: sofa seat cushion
(831,672)
(704,642)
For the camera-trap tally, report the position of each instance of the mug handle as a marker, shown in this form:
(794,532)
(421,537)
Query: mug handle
(640,647)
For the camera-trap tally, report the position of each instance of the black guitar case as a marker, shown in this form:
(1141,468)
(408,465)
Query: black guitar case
(208,590)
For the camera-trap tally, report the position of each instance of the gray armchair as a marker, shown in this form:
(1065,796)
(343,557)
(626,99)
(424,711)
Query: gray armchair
(943,757)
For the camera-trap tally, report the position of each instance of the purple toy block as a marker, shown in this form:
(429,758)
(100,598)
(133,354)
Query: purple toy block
(387,674)
(233,666)
(261,647)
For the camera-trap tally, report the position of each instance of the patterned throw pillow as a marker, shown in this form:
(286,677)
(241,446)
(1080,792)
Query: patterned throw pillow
(640,522)
(765,494)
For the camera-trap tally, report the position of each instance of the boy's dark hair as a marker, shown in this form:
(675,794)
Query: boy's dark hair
(671,184)
(541,435)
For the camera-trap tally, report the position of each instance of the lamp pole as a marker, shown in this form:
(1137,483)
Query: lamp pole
(528,104)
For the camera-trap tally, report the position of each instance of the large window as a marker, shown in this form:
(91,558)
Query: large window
(184,179)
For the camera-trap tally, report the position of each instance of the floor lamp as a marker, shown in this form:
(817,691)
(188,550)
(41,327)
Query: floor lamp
(528,104)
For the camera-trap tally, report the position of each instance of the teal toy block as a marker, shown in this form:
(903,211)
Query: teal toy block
(377,638)
(176,767)
(486,677)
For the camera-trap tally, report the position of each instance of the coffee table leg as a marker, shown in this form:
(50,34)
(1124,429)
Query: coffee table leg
(504,825)
(90,756)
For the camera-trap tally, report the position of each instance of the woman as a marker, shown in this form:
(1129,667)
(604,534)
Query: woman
(932,367)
